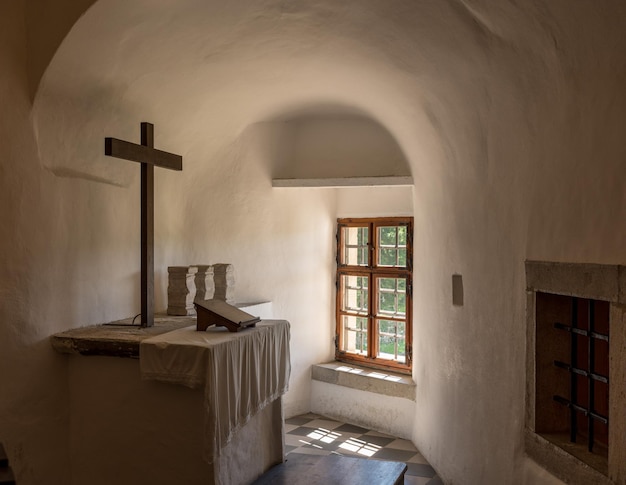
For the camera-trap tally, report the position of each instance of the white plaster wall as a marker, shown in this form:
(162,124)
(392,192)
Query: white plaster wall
(341,146)
(56,249)
(375,201)
(382,413)
(510,117)
(33,393)
(127,431)
(532,473)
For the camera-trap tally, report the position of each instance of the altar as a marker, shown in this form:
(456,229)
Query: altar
(196,407)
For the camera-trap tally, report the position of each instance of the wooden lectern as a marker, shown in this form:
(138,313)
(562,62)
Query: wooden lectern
(221,314)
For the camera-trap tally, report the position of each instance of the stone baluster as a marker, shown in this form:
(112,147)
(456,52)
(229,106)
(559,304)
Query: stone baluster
(181,290)
(205,286)
(224,277)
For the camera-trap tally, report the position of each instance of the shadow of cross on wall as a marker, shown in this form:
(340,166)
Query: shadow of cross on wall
(148,157)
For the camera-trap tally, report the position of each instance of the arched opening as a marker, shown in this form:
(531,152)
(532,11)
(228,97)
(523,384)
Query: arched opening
(247,95)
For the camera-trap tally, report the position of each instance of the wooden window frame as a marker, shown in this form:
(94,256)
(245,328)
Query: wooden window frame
(374,271)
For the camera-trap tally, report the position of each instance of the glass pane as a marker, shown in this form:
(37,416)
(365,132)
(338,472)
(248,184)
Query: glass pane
(391,297)
(355,293)
(388,257)
(392,340)
(355,250)
(402,236)
(402,304)
(392,242)
(387,283)
(354,335)
(387,303)
(388,236)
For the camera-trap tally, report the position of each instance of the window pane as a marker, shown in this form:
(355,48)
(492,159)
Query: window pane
(388,236)
(392,340)
(387,303)
(355,295)
(392,242)
(402,236)
(402,304)
(355,335)
(402,257)
(387,283)
(388,257)
(355,251)
(391,297)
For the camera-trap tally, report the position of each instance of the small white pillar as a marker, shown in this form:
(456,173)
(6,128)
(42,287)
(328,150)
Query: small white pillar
(205,286)
(181,290)
(224,278)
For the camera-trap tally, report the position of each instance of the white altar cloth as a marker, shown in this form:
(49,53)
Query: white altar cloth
(241,372)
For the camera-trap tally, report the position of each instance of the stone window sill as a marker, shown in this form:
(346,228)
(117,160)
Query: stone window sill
(378,382)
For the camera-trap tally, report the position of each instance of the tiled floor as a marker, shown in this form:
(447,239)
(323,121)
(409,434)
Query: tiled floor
(316,435)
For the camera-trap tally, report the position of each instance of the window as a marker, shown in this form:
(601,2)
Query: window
(374,279)
(572,377)
(575,374)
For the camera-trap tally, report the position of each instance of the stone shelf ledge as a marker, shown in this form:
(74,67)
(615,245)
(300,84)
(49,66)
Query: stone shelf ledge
(115,339)
(122,338)
(370,380)
(343,182)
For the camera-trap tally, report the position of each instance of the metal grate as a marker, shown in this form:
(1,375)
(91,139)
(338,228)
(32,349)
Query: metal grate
(576,368)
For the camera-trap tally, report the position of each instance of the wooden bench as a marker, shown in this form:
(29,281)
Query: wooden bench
(333,470)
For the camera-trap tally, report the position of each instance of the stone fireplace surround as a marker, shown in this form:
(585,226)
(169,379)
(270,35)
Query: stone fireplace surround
(592,281)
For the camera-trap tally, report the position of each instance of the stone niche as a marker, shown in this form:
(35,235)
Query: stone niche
(576,373)
(187,284)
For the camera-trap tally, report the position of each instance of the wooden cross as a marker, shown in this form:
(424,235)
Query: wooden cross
(148,157)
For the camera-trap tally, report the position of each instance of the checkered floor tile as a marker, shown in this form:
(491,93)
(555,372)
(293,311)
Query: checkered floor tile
(312,434)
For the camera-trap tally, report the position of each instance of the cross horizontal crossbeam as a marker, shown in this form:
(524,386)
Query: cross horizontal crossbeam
(142,154)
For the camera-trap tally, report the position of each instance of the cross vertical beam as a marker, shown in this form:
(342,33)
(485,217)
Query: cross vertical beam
(147,231)
(148,157)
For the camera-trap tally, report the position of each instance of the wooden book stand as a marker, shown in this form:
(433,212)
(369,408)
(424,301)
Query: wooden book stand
(221,314)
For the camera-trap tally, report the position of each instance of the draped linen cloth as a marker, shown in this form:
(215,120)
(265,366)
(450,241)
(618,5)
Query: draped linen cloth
(241,372)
